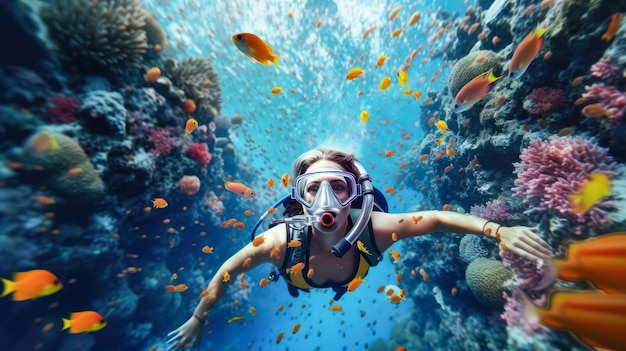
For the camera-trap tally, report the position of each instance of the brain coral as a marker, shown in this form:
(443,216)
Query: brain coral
(486,279)
(470,66)
(198,78)
(66,170)
(105,33)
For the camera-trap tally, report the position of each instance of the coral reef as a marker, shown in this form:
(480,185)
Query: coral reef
(486,278)
(64,167)
(106,34)
(551,170)
(472,65)
(189,185)
(198,79)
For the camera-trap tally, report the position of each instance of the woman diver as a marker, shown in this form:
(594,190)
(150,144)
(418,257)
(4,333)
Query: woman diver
(314,246)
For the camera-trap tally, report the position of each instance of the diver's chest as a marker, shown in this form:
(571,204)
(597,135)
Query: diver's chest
(325,267)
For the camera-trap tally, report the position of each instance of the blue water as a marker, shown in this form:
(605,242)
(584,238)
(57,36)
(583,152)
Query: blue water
(318,44)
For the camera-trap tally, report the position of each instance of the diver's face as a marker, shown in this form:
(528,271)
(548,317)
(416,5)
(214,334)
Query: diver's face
(327,183)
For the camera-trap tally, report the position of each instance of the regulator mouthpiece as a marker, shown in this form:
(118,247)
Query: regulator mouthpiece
(327,219)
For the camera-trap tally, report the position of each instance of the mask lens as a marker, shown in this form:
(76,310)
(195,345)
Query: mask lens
(341,184)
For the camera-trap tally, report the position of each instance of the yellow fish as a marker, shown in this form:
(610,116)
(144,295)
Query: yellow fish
(403,78)
(190,126)
(276,90)
(255,48)
(354,73)
(385,83)
(381,60)
(441,125)
(236,319)
(596,187)
(364,116)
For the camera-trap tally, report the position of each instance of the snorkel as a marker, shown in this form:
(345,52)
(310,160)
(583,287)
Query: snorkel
(367,191)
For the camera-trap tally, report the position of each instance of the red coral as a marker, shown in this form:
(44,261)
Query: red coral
(63,109)
(545,99)
(162,141)
(200,153)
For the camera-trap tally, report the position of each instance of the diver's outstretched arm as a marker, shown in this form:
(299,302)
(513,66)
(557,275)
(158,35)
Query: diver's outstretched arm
(518,240)
(188,334)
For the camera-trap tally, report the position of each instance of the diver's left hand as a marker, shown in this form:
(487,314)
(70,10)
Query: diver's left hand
(186,336)
(523,242)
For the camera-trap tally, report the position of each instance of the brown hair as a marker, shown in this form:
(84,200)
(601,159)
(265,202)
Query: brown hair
(304,161)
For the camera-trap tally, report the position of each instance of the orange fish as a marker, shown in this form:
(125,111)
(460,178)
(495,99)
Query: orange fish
(395,255)
(336,308)
(596,318)
(285,180)
(296,268)
(414,18)
(441,125)
(355,283)
(44,200)
(276,90)
(207,249)
(601,260)
(84,322)
(159,202)
(255,48)
(270,183)
(190,126)
(226,276)
(473,91)
(295,328)
(31,285)
(614,24)
(595,111)
(526,52)
(294,243)
(238,188)
(152,74)
(258,241)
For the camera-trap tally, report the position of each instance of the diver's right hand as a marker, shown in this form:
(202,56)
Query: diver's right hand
(186,336)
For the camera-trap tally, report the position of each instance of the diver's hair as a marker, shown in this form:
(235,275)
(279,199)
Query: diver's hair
(304,161)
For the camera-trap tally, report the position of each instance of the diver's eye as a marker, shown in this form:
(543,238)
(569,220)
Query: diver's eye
(338,188)
(239,37)
(312,189)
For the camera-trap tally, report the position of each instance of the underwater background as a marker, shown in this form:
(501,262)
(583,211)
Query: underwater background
(90,137)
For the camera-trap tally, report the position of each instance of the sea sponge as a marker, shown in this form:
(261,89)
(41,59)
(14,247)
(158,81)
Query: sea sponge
(198,79)
(470,66)
(189,185)
(65,168)
(104,34)
(486,279)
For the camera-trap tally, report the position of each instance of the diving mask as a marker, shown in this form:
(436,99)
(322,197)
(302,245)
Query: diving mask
(325,192)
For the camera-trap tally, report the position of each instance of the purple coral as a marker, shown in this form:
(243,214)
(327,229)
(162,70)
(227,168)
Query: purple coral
(496,210)
(608,97)
(63,109)
(551,170)
(544,99)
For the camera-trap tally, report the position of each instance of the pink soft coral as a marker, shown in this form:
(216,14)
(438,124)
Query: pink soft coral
(162,142)
(553,169)
(544,99)
(200,153)
(609,97)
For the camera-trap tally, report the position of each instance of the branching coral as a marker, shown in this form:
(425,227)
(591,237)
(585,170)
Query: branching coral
(63,109)
(198,79)
(551,170)
(106,33)
(200,153)
(496,210)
